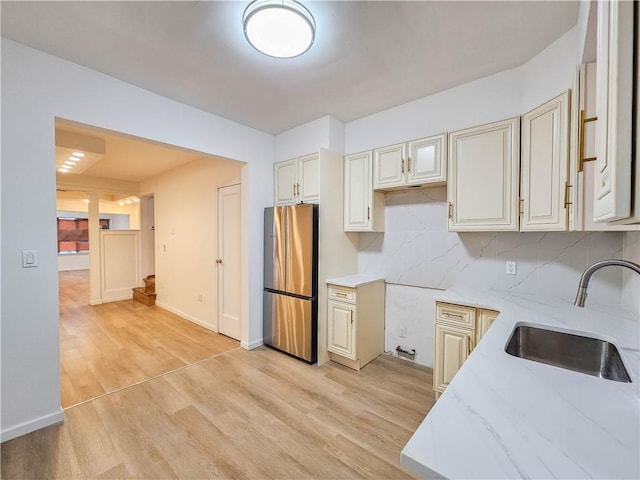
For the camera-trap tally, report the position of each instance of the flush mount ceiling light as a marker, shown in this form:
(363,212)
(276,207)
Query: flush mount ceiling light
(279,28)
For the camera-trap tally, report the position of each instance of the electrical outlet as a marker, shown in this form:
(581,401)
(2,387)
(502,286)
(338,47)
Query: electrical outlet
(199,297)
(403,332)
(510,268)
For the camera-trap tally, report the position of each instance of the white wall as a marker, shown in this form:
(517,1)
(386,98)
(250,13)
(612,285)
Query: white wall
(37,88)
(325,132)
(186,236)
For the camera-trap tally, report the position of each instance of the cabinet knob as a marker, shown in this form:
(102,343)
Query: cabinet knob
(218,261)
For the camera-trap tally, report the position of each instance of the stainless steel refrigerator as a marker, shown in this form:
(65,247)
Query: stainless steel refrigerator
(290,308)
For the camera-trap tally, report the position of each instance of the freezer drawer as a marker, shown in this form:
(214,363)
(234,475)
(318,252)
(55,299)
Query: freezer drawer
(290,325)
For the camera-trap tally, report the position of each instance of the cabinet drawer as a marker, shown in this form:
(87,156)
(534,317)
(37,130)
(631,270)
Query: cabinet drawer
(456,315)
(342,294)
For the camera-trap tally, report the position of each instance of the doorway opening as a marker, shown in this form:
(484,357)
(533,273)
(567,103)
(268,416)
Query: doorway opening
(108,341)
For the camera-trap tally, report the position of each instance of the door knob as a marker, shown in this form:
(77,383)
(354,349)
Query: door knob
(218,260)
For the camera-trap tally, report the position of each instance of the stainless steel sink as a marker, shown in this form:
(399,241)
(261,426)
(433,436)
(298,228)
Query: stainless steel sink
(565,350)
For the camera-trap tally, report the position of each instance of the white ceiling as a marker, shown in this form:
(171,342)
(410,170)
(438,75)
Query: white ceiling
(128,158)
(368,56)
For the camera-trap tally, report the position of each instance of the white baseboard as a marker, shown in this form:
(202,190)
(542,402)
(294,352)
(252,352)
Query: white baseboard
(32,425)
(186,316)
(252,345)
(119,298)
(95,302)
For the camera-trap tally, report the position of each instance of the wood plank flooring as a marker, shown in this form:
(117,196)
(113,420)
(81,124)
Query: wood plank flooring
(243,414)
(107,347)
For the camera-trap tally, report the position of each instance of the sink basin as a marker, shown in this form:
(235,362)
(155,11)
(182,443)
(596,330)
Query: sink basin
(565,350)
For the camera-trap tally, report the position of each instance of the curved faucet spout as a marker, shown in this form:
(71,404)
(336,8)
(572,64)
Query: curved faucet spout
(581,296)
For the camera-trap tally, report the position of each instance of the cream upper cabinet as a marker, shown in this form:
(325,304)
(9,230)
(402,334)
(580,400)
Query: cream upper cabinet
(615,76)
(544,186)
(583,154)
(482,187)
(309,179)
(426,160)
(363,208)
(419,162)
(389,166)
(297,180)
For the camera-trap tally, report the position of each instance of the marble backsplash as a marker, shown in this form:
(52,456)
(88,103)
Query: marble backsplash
(417,250)
(418,257)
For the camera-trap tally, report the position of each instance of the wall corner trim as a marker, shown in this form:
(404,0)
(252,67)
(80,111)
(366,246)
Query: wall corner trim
(252,345)
(32,425)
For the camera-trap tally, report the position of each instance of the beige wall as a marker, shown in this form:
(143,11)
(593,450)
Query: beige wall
(186,236)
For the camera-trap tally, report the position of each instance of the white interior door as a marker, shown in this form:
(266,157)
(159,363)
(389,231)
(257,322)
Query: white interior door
(228,261)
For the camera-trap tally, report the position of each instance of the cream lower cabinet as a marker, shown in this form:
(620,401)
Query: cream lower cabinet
(355,323)
(458,329)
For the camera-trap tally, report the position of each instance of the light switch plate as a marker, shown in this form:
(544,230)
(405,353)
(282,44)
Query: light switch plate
(29,258)
(510,268)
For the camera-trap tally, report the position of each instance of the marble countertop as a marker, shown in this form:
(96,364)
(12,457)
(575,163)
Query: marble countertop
(506,417)
(355,281)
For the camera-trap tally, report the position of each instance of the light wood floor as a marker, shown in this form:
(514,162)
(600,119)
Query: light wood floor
(107,347)
(244,415)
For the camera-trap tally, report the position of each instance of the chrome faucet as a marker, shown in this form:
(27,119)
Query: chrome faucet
(581,296)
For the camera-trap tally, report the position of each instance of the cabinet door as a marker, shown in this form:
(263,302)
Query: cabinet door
(485,319)
(545,166)
(426,161)
(284,187)
(358,192)
(308,189)
(389,169)
(612,192)
(483,177)
(341,329)
(452,347)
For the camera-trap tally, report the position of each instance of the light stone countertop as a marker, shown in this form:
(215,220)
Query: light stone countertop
(506,417)
(355,281)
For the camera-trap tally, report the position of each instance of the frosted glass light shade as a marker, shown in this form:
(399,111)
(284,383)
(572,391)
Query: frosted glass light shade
(279,28)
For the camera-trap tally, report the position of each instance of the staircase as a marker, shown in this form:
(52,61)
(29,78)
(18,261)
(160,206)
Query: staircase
(146,294)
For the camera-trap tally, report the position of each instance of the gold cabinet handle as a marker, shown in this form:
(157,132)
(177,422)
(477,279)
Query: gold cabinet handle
(582,123)
(340,294)
(450,210)
(298,188)
(351,316)
(293,186)
(408,164)
(368,213)
(470,345)
(520,206)
(453,315)
(402,166)
(566,194)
